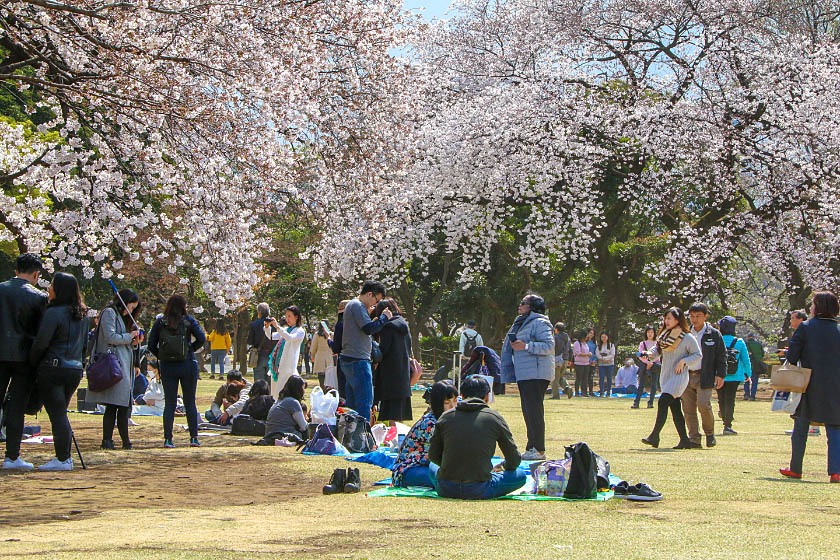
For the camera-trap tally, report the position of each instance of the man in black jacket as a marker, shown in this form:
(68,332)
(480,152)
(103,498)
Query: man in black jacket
(698,394)
(258,340)
(21,309)
(463,445)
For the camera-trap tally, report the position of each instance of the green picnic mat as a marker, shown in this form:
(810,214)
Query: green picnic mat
(417,492)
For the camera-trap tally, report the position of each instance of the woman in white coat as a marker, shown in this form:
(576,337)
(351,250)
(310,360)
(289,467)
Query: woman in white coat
(282,363)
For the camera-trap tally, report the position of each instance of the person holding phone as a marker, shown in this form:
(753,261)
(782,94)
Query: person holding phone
(528,360)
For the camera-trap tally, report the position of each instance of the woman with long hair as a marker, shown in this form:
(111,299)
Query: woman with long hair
(411,467)
(679,352)
(118,332)
(648,369)
(286,416)
(606,364)
(282,364)
(174,338)
(220,343)
(580,360)
(57,354)
(392,379)
(816,344)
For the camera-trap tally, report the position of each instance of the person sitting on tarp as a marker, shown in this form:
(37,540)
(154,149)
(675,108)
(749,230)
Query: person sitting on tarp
(259,401)
(627,378)
(485,361)
(463,444)
(230,399)
(411,467)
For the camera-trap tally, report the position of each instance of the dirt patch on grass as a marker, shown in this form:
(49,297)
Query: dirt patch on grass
(149,477)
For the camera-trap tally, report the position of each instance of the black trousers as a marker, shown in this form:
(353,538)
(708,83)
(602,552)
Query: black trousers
(118,414)
(666,402)
(55,387)
(726,401)
(16,384)
(583,380)
(531,395)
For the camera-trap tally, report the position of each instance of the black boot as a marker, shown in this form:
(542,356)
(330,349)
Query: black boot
(107,444)
(337,481)
(353,483)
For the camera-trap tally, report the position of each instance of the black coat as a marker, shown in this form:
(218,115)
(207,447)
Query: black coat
(21,309)
(714,357)
(816,344)
(393,376)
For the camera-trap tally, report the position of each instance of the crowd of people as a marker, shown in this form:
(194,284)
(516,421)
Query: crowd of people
(367,359)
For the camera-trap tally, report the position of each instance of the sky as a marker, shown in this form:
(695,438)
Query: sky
(432,8)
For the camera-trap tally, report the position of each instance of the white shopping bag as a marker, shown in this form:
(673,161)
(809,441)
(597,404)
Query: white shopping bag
(323,406)
(785,401)
(331,377)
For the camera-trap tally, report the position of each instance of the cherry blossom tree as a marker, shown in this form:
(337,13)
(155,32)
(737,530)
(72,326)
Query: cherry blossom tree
(175,126)
(548,121)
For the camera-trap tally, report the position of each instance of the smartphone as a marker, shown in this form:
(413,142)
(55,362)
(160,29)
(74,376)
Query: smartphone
(512,337)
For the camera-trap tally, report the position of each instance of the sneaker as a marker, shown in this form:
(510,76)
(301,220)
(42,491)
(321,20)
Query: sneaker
(834,478)
(621,490)
(727,431)
(568,391)
(789,473)
(18,465)
(711,441)
(533,455)
(194,442)
(650,405)
(643,493)
(167,444)
(132,422)
(688,444)
(634,405)
(54,465)
(814,431)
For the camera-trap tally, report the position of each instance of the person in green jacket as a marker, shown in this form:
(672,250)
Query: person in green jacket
(756,352)
(463,444)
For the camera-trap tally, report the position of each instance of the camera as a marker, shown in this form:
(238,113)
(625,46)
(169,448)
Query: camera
(268,319)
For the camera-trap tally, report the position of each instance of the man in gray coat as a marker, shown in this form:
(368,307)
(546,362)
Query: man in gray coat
(21,309)
(528,359)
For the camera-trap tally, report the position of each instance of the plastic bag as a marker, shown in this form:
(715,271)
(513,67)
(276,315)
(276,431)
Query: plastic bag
(323,406)
(785,401)
(331,377)
(154,393)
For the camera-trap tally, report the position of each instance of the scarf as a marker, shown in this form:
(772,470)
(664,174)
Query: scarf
(275,356)
(668,340)
(517,324)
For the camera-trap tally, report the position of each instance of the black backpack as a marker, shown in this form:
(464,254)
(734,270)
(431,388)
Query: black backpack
(732,358)
(353,432)
(174,344)
(469,344)
(583,476)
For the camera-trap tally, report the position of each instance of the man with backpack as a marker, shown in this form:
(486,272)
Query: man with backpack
(562,351)
(698,394)
(470,340)
(463,444)
(738,368)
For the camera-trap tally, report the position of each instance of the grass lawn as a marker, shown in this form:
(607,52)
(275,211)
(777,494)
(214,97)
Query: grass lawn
(231,500)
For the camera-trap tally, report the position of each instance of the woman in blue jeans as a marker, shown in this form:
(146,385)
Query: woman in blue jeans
(172,328)
(411,467)
(816,344)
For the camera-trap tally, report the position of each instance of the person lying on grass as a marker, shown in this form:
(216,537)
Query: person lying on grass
(412,465)
(462,447)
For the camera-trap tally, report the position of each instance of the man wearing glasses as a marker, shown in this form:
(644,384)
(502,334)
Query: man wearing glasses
(356,346)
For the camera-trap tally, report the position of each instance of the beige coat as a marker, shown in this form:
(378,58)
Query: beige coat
(321,354)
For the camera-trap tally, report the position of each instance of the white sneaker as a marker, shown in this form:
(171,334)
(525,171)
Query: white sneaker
(132,422)
(54,465)
(533,455)
(18,464)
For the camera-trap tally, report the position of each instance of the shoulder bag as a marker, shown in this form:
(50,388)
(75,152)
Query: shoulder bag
(105,369)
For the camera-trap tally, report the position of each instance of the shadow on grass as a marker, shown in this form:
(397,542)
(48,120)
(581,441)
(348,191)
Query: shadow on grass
(788,480)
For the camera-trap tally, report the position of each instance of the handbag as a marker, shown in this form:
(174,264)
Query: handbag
(105,369)
(253,357)
(375,352)
(790,377)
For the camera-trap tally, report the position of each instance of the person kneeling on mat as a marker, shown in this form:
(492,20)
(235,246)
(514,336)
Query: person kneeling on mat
(462,447)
